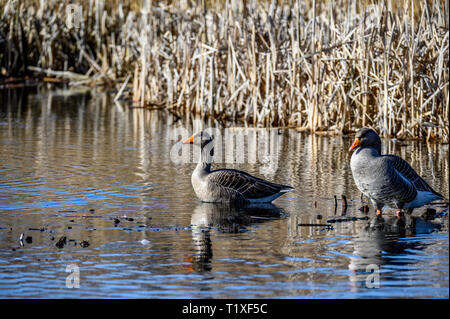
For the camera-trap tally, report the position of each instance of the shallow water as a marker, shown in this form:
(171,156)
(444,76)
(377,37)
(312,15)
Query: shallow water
(97,187)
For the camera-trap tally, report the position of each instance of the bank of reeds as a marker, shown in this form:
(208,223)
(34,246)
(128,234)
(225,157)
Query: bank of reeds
(316,65)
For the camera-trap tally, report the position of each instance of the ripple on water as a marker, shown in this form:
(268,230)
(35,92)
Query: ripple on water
(117,162)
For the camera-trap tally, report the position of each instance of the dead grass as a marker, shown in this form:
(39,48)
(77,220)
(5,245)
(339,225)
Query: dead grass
(316,65)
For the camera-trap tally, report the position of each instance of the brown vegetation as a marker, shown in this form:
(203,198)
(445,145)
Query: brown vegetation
(316,65)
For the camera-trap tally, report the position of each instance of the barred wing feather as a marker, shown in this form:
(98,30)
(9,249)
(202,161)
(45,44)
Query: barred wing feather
(249,186)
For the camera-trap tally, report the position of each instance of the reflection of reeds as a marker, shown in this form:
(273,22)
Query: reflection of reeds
(316,65)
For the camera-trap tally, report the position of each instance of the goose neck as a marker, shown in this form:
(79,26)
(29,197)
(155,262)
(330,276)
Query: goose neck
(206,156)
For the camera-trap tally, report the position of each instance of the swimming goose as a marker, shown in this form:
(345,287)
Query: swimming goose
(228,185)
(387,179)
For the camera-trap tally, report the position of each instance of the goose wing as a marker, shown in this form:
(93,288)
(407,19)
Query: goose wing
(410,174)
(249,186)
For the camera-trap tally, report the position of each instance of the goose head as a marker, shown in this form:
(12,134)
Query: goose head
(204,141)
(366,137)
(200,139)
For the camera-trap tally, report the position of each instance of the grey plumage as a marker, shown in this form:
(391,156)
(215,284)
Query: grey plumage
(387,180)
(228,185)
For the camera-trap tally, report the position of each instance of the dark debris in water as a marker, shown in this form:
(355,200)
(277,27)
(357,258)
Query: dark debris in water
(346,219)
(328,225)
(116,219)
(325,226)
(42,229)
(84,244)
(61,242)
(64,241)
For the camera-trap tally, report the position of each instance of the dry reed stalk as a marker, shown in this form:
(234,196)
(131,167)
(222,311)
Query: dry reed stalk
(313,65)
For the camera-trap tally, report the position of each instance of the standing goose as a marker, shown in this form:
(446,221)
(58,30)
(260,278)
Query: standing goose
(228,185)
(387,179)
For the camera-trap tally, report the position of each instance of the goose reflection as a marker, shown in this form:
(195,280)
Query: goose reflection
(224,218)
(380,240)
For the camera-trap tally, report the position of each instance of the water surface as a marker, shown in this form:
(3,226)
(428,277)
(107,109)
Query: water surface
(89,183)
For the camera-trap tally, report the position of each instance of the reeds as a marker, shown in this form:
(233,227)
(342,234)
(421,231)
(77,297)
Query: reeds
(316,65)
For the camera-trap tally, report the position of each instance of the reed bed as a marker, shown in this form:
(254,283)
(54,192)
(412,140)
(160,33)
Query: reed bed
(319,66)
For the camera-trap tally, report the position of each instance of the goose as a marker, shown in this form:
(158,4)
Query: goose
(228,185)
(387,180)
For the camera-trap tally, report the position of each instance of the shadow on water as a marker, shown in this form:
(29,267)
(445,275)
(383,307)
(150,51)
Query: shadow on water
(209,217)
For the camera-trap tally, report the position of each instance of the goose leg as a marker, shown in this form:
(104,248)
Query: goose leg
(379,212)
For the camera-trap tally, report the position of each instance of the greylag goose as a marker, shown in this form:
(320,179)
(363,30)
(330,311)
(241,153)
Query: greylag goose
(228,185)
(387,179)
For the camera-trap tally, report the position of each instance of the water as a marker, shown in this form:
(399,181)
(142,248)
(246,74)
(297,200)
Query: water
(93,188)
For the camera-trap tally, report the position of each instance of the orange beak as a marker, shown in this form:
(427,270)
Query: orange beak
(189,140)
(355,144)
